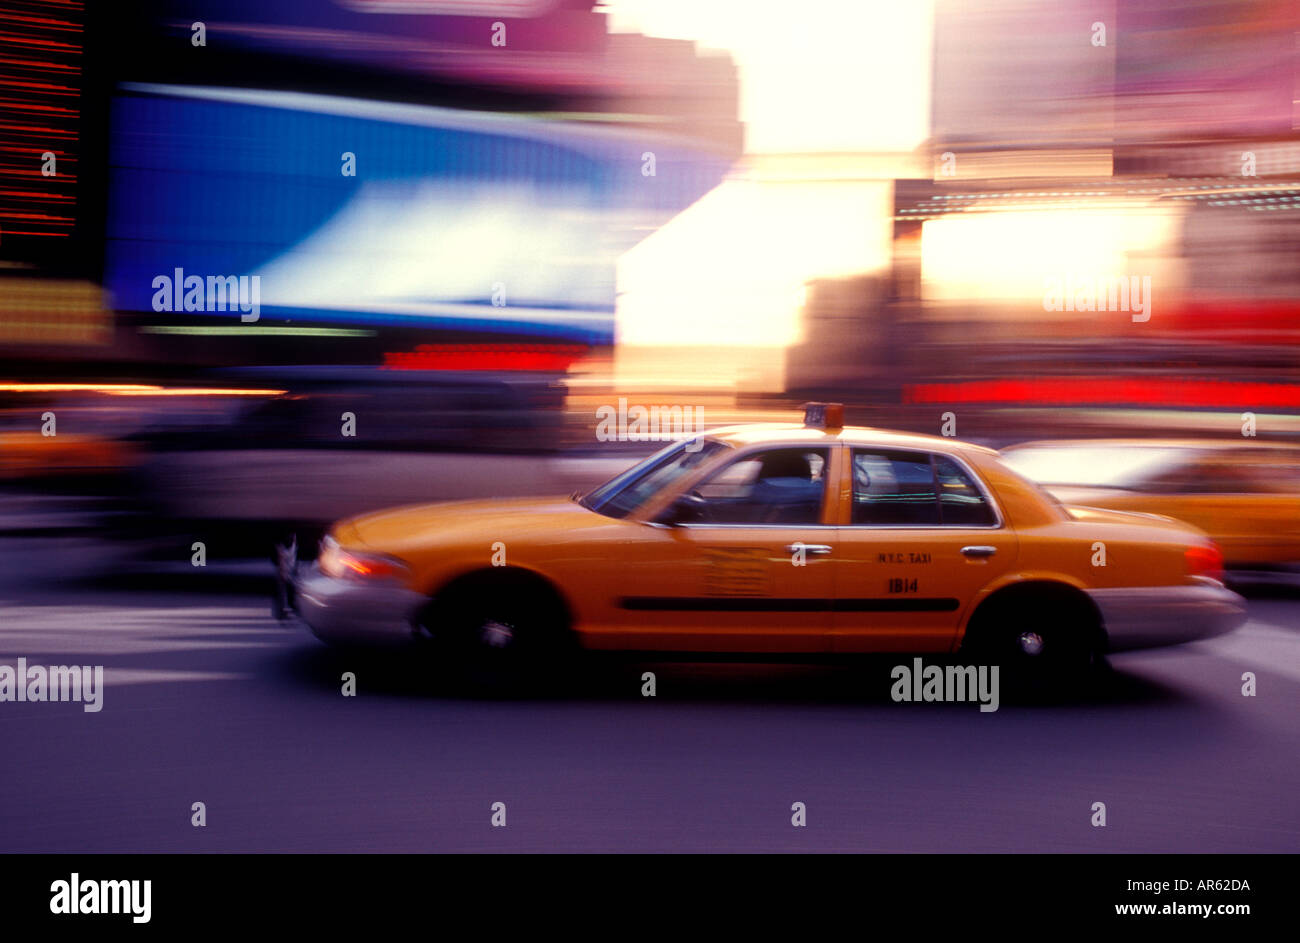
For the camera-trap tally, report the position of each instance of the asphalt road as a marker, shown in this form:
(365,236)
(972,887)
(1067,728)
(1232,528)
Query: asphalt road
(206,699)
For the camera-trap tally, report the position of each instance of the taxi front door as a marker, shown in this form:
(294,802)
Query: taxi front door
(754,573)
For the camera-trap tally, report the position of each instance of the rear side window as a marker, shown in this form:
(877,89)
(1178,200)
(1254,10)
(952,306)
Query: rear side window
(961,503)
(1208,476)
(915,489)
(1271,471)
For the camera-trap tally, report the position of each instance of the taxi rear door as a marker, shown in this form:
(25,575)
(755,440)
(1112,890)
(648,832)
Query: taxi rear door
(920,537)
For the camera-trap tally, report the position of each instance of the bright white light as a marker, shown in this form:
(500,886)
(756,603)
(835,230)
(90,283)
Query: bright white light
(1008,255)
(1099,466)
(731,270)
(815,75)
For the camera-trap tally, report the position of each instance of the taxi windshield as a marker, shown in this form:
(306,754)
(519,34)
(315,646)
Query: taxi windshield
(624,493)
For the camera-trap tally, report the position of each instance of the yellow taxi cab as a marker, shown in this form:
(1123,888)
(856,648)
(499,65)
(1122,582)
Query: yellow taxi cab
(774,538)
(32,455)
(1244,493)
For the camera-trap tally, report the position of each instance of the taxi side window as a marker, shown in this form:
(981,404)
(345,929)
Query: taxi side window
(961,504)
(1208,476)
(776,486)
(1274,472)
(915,489)
(893,488)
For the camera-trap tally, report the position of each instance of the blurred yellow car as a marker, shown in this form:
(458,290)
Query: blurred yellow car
(32,455)
(773,538)
(1245,494)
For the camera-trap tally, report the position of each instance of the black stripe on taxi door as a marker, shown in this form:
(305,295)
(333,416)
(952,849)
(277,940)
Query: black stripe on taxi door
(769,604)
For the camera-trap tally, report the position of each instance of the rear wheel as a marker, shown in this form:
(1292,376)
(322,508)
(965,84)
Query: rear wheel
(1045,640)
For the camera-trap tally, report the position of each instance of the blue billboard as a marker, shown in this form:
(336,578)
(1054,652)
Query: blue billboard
(366,212)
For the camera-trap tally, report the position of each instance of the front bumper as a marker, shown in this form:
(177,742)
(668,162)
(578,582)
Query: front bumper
(349,612)
(1150,617)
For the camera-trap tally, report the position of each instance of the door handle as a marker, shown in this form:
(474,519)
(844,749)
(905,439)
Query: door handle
(808,548)
(978,551)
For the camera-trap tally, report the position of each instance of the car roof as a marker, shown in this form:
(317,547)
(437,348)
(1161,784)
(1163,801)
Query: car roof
(776,432)
(1189,445)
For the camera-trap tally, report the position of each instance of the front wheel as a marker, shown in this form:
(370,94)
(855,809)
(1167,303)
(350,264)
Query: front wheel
(497,633)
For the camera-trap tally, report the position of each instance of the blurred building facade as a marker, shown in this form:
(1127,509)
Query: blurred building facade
(1080,150)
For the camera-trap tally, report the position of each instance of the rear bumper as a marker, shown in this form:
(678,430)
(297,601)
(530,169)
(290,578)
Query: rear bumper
(346,612)
(1150,617)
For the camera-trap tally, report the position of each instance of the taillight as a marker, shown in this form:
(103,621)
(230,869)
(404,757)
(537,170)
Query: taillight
(1204,560)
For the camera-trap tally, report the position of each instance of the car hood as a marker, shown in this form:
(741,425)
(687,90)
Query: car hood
(393,530)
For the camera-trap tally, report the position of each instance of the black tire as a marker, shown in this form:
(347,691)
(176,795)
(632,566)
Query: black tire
(1046,641)
(498,629)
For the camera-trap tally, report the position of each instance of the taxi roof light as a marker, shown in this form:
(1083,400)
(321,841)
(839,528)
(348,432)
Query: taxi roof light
(828,416)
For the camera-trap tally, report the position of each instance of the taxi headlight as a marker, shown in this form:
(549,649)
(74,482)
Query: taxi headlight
(337,563)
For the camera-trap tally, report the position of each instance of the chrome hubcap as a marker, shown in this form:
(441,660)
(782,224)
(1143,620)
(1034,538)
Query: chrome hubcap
(497,634)
(1031,643)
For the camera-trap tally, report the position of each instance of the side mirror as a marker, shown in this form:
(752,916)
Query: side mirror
(687,509)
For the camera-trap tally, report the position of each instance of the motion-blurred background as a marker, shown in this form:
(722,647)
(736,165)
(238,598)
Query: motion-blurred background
(474,226)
